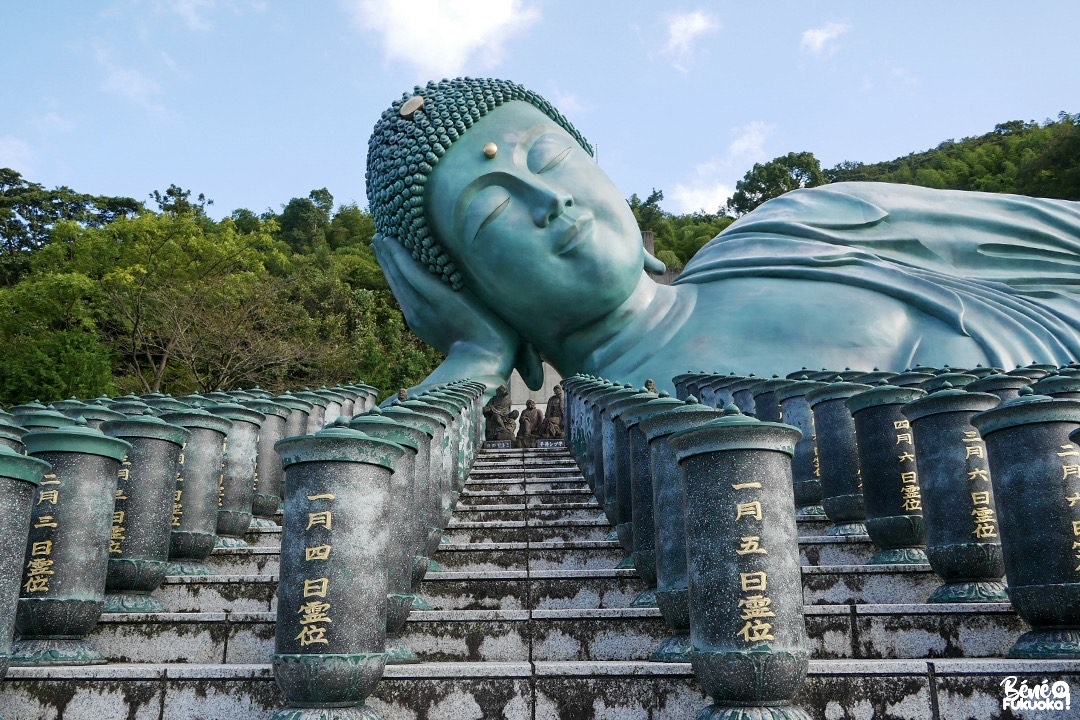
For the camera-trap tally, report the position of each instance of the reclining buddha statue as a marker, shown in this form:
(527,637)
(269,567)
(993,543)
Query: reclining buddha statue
(506,244)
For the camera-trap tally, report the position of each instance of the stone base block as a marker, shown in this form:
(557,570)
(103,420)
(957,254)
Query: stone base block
(218,593)
(832,550)
(842,584)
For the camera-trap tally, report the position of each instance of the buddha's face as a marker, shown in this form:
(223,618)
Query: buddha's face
(535,227)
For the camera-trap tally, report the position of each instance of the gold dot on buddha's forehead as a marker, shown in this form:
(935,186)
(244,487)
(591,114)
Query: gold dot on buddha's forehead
(410,106)
(490,149)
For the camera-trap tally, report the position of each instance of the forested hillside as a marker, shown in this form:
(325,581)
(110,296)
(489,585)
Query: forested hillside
(1025,158)
(103,295)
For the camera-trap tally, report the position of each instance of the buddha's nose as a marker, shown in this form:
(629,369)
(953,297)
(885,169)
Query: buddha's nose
(552,204)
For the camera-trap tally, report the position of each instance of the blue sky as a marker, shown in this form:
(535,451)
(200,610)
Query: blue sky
(253,102)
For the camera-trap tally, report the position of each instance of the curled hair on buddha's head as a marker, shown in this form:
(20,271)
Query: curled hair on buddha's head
(408,141)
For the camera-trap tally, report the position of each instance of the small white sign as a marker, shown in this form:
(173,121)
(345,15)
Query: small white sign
(1042,696)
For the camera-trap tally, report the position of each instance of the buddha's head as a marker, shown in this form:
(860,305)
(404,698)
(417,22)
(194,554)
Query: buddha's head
(491,188)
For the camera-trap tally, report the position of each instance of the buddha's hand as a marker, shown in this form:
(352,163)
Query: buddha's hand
(478,344)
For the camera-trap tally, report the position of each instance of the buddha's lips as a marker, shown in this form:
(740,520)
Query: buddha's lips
(575,234)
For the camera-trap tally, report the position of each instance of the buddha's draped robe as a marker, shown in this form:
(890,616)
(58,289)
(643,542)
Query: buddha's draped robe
(1001,269)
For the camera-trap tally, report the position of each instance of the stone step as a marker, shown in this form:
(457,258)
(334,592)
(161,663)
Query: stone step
(541,588)
(535,469)
(533,531)
(494,590)
(263,537)
(814,550)
(531,503)
(218,593)
(579,555)
(874,584)
(498,497)
(835,632)
(519,485)
(472,542)
(563,634)
(245,561)
(541,690)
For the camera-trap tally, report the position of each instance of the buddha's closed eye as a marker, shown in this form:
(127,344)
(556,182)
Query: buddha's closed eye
(548,152)
(488,204)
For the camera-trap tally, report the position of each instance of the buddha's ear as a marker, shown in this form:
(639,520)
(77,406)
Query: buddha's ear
(529,365)
(654,266)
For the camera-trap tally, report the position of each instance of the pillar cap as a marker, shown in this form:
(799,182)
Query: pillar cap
(948,400)
(883,395)
(1027,408)
(146,426)
(77,438)
(198,418)
(338,443)
(22,467)
(734,431)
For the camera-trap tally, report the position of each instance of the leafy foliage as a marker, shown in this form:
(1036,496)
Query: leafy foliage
(677,237)
(175,301)
(766,181)
(29,212)
(1026,158)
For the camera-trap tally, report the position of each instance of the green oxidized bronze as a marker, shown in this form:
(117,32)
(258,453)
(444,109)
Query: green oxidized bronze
(146,495)
(332,597)
(19,479)
(67,552)
(195,509)
(481,187)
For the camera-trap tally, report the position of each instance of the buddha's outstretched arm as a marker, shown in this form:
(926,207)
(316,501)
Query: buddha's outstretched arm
(477,343)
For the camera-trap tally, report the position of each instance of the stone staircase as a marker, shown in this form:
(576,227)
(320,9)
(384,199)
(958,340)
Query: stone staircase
(534,622)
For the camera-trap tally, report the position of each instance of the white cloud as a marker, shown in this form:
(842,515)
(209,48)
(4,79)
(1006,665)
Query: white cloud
(567,103)
(440,38)
(906,78)
(16,154)
(707,197)
(52,122)
(713,181)
(129,83)
(196,14)
(683,32)
(821,41)
(749,142)
(192,12)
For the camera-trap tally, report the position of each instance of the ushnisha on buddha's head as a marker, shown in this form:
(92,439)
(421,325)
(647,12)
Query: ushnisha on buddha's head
(491,188)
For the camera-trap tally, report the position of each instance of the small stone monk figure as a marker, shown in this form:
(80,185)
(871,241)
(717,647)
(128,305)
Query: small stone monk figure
(511,427)
(499,425)
(553,419)
(650,385)
(403,394)
(530,424)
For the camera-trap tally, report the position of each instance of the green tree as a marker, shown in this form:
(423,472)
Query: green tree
(1027,158)
(177,201)
(648,213)
(52,344)
(766,181)
(303,222)
(29,212)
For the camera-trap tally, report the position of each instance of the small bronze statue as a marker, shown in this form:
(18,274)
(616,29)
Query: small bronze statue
(553,419)
(530,424)
(500,422)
